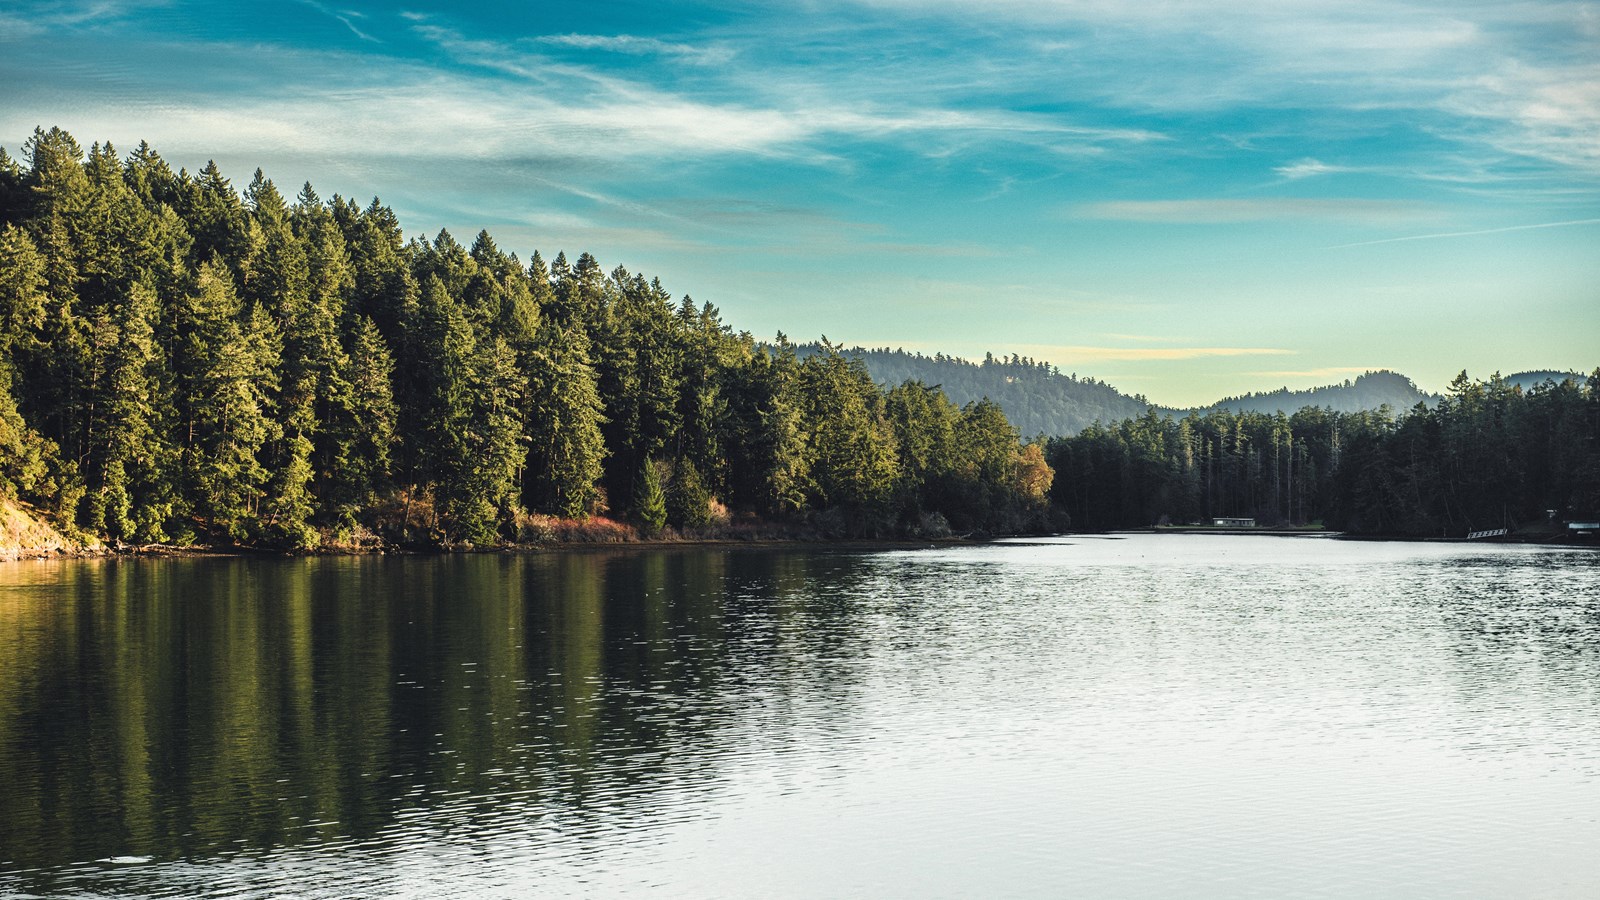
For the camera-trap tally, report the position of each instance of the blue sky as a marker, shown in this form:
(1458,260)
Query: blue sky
(1184,199)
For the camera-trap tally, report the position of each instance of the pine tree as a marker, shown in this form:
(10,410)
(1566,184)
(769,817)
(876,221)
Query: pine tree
(768,462)
(563,418)
(278,283)
(226,376)
(442,351)
(216,219)
(487,497)
(27,459)
(688,501)
(649,503)
(354,465)
(851,443)
(132,495)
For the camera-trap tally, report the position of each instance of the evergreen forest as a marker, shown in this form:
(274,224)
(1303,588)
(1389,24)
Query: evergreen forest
(1487,455)
(182,362)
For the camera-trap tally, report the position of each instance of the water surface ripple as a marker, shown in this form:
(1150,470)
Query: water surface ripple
(1124,716)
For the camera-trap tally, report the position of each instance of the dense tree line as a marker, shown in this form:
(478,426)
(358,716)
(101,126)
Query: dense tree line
(180,361)
(1487,455)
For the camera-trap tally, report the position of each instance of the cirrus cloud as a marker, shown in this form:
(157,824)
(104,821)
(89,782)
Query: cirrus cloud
(1223,211)
(1076,353)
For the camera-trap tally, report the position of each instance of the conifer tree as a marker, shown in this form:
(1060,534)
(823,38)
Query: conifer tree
(54,369)
(360,434)
(442,352)
(132,495)
(848,437)
(27,459)
(226,376)
(649,503)
(564,413)
(688,501)
(12,191)
(924,422)
(278,282)
(768,463)
(216,218)
(487,495)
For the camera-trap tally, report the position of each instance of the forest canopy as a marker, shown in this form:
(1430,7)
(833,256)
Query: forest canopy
(184,362)
(181,361)
(1487,455)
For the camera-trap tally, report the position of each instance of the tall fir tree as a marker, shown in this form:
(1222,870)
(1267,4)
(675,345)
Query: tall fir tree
(566,450)
(226,376)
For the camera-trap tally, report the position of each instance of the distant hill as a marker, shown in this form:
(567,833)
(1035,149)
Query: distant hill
(1530,380)
(1367,392)
(1037,397)
(1040,399)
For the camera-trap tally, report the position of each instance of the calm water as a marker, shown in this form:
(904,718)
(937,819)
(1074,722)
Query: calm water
(1148,716)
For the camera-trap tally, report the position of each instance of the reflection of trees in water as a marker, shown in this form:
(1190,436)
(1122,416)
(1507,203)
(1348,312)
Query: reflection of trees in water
(187,708)
(1544,602)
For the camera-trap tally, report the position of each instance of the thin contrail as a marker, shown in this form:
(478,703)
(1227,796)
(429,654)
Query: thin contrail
(1451,234)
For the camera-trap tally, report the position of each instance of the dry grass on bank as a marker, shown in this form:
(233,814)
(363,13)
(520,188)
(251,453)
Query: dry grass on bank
(25,535)
(537,529)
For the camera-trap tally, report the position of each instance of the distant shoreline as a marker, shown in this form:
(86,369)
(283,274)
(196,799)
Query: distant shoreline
(161,551)
(1300,531)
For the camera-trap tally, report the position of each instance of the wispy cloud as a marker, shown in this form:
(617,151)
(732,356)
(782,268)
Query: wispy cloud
(634,45)
(638,115)
(819,162)
(1145,338)
(343,16)
(1474,233)
(1540,110)
(1062,354)
(1307,168)
(31,19)
(1519,78)
(1322,372)
(1224,211)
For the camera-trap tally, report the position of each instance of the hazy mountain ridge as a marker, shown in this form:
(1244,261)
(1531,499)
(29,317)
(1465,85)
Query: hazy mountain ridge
(1369,391)
(1530,380)
(1036,396)
(1040,399)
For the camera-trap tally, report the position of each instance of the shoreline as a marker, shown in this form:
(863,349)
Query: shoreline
(163,551)
(1287,531)
(168,551)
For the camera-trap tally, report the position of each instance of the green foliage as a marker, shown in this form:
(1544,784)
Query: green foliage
(1487,456)
(27,460)
(131,491)
(688,501)
(175,357)
(849,442)
(564,413)
(227,370)
(22,290)
(649,503)
(486,497)
(178,358)
(361,427)
(767,462)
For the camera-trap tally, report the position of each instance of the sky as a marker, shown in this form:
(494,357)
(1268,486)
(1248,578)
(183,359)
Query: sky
(1185,199)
